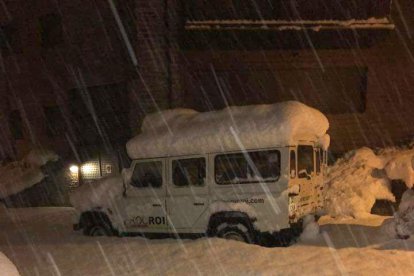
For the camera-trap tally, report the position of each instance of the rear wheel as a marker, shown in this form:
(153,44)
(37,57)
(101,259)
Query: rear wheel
(97,224)
(235,232)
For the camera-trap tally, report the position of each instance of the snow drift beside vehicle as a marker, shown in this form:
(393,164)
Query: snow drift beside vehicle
(361,177)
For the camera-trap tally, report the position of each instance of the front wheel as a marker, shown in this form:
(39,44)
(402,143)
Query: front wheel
(96,224)
(235,232)
(97,231)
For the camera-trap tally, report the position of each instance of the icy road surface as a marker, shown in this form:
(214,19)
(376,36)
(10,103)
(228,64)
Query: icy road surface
(39,241)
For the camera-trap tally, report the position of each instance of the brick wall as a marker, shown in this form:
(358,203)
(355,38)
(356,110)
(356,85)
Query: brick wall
(94,53)
(32,76)
(156,85)
(387,119)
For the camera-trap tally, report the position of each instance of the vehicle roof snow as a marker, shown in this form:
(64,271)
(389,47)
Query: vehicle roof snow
(185,131)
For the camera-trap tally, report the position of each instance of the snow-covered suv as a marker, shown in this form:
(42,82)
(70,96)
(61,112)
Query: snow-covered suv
(248,178)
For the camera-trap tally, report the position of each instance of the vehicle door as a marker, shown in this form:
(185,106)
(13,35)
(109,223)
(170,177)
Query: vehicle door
(187,195)
(144,198)
(306,178)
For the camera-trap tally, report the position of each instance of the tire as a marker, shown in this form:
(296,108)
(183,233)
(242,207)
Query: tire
(97,224)
(96,231)
(234,231)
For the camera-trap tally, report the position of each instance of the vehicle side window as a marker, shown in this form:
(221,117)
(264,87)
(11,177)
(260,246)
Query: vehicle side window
(189,172)
(250,167)
(147,174)
(305,161)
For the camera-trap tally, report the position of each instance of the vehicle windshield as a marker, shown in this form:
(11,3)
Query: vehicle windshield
(305,160)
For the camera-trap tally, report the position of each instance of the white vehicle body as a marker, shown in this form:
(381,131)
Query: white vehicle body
(254,189)
(273,204)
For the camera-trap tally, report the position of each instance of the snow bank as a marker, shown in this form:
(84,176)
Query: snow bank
(311,229)
(185,131)
(39,157)
(20,175)
(7,268)
(353,184)
(100,193)
(399,164)
(48,246)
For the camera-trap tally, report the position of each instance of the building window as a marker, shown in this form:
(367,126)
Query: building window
(54,121)
(16,125)
(7,37)
(250,167)
(189,172)
(51,31)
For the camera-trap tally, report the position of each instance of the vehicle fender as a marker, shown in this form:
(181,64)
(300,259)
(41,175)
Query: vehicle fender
(94,216)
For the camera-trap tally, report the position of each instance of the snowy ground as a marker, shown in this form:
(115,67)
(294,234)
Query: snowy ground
(39,241)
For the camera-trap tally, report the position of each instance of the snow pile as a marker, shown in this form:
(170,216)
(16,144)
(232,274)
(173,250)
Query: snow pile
(48,246)
(399,164)
(7,268)
(311,229)
(20,175)
(354,183)
(100,193)
(185,131)
(402,226)
(39,157)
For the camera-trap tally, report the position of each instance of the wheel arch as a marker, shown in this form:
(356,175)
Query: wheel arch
(94,217)
(229,217)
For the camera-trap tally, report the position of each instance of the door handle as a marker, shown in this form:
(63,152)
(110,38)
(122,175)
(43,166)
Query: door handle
(198,204)
(156,205)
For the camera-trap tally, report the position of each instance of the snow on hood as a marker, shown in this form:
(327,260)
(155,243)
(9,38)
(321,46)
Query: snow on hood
(20,175)
(186,131)
(98,194)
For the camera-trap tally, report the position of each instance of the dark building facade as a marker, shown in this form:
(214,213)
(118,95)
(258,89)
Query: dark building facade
(79,76)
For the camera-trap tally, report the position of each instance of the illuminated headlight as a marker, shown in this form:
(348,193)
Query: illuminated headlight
(74,169)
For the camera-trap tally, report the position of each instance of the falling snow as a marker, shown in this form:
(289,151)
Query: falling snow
(104,82)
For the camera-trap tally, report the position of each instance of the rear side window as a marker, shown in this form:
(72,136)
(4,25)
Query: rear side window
(248,167)
(148,174)
(189,172)
(305,160)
